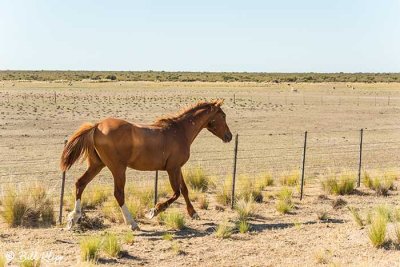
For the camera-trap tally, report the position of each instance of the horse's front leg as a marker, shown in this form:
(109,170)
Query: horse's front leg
(175,181)
(192,213)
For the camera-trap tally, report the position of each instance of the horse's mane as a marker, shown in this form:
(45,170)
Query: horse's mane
(168,120)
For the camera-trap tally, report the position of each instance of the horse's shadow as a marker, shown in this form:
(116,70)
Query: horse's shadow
(210,228)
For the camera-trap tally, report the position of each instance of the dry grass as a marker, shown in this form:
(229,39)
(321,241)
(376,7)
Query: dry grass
(244,208)
(128,238)
(397,233)
(290,179)
(168,237)
(381,184)
(342,185)
(377,230)
(203,202)
(264,180)
(197,179)
(173,219)
(356,216)
(223,230)
(30,263)
(284,202)
(28,207)
(111,245)
(3,261)
(243,226)
(90,248)
(245,188)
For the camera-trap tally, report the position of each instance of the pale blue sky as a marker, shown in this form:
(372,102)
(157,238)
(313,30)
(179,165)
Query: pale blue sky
(207,35)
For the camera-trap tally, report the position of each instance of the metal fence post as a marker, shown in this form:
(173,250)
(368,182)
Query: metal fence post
(62,192)
(304,163)
(360,159)
(234,170)
(156,189)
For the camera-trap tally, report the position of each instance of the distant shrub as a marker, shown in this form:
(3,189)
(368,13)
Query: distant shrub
(111,77)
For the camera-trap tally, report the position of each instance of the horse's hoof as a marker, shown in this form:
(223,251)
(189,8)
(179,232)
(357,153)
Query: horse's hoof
(150,215)
(195,216)
(135,227)
(70,224)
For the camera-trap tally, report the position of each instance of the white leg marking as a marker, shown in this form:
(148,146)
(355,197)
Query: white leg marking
(74,216)
(128,218)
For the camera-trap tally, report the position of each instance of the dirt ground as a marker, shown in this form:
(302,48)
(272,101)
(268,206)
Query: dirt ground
(36,117)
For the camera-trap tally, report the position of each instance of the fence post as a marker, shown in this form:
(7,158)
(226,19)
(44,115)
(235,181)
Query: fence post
(55,97)
(156,189)
(234,170)
(304,163)
(359,162)
(234,99)
(62,192)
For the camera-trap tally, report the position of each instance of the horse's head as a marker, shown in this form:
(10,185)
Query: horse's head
(217,123)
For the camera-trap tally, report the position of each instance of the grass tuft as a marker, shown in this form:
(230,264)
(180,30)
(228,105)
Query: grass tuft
(377,230)
(203,202)
(356,216)
(223,231)
(245,209)
(129,238)
(291,179)
(197,179)
(32,211)
(172,219)
(168,237)
(380,184)
(243,226)
(111,245)
(342,185)
(30,263)
(284,202)
(90,248)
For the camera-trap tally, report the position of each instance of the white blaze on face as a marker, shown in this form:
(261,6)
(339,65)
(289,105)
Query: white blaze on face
(127,215)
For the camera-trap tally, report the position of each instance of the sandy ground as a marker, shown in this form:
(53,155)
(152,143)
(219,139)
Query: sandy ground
(35,118)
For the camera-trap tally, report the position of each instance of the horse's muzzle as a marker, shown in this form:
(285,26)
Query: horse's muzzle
(227,137)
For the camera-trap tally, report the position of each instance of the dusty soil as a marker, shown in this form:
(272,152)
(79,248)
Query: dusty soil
(35,117)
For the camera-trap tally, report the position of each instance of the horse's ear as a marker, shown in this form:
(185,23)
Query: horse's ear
(219,102)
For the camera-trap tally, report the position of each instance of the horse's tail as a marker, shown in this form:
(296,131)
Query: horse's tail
(79,145)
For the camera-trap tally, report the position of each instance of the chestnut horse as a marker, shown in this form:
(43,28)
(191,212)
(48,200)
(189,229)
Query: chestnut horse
(163,145)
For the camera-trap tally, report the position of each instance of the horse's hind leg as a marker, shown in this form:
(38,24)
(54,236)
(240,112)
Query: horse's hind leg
(174,179)
(90,173)
(119,193)
(192,213)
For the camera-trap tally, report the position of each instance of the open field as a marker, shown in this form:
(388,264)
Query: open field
(270,118)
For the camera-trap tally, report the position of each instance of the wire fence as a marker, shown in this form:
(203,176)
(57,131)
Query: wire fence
(258,152)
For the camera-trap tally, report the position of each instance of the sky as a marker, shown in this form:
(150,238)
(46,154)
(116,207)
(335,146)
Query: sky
(206,35)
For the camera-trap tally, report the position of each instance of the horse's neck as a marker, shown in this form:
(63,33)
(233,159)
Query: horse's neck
(194,124)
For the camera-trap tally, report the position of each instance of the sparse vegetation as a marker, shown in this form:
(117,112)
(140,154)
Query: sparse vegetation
(172,219)
(377,230)
(90,248)
(342,185)
(284,202)
(243,227)
(203,202)
(29,207)
(397,233)
(129,238)
(380,184)
(111,245)
(3,261)
(223,230)
(168,236)
(356,216)
(264,180)
(244,208)
(30,262)
(164,76)
(197,179)
(291,179)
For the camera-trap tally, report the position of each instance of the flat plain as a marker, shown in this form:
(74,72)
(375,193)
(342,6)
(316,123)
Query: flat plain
(270,119)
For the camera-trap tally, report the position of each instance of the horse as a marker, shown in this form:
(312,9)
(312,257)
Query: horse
(162,145)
